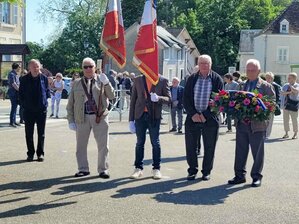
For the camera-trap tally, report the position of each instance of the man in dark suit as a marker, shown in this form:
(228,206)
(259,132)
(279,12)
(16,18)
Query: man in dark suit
(177,93)
(34,93)
(13,92)
(200,119)
(145,113)
(252,134)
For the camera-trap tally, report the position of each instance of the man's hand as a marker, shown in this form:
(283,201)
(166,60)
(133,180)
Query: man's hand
(73,126)
(154,97)
(196,118)
(104,79)
(132,127)
(202,118)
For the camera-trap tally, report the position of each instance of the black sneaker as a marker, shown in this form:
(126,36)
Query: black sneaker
(17,124)
(206,177)
(81,174)
(104,175)
(29,159)
(180,131)
(172,130)
(256,183)
(40,158)
(52,115)
(12,125)
(236,180)
(191,176)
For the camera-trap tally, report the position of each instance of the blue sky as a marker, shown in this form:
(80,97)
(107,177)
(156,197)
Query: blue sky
(36,30)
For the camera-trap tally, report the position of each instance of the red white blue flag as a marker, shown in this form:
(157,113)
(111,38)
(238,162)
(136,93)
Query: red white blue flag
(146,46)
(113,35)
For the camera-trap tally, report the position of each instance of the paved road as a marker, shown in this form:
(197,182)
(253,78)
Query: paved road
(47,192)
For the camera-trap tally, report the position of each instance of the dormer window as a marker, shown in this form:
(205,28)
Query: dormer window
(284,26)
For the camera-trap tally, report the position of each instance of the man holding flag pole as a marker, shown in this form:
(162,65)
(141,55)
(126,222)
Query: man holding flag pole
(149,92)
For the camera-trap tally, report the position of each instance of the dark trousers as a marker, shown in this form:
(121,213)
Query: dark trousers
(32,118)
(13,110)
(244,139)
(153,127)
(21,113)
(210,132)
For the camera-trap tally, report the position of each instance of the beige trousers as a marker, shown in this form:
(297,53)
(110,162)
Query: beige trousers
(100,132)
(286,119)
(270,124)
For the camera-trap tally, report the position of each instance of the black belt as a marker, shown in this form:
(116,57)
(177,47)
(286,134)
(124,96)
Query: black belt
(90,113)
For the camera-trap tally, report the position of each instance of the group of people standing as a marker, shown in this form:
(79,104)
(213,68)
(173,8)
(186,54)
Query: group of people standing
(87,109)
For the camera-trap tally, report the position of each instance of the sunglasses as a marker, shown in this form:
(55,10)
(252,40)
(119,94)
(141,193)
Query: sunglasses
(87,66)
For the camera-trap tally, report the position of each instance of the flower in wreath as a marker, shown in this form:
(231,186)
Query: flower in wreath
(243,105)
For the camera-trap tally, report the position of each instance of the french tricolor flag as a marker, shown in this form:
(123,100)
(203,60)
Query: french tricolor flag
(113,37)
(146,46)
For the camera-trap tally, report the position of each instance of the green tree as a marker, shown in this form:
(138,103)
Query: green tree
(79,37)
(19,2)
(36,50)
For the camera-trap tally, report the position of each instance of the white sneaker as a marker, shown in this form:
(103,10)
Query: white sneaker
(137,174)
(157,174)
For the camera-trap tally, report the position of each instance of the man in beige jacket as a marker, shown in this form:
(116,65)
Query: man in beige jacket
(86,111)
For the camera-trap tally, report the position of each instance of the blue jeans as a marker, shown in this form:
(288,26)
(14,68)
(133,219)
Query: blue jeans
(142,124)
(13,110)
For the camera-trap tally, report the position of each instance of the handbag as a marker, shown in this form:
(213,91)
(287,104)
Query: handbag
(291,105)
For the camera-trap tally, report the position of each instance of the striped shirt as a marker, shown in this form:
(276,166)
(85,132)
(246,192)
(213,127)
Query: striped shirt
(202,92)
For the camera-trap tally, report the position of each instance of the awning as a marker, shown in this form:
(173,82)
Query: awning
(14,49)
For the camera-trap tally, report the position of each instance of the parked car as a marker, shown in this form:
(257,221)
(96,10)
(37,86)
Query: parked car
(67,87)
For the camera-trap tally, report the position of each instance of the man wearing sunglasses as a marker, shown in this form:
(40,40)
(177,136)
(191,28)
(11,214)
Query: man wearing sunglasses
(86,111)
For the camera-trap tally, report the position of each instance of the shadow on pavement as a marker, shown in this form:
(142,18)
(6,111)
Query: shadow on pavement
(38,185)
(207,196)
(153,188)
(32,209)
(165,160)
(93,187)
(14,162)
(274,140)
(164,192)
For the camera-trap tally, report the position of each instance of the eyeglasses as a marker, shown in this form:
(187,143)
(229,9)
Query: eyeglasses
(87,66)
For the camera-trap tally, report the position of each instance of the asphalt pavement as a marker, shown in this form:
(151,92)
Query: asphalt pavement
(47,192)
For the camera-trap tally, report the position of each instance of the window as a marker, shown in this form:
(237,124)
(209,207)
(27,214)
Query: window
(15,14)
(284,26)
(170,73)
(180,55)
(5,13)
(166,53)
(283,54)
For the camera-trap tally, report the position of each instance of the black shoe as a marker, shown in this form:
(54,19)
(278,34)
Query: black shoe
(172,130)
(52,115)
(22,122)
(29,159)
(104,175)
(13,125)
(237,180)
(57,117)
(17,124)
(40,158)
(206,177)
(180,131)
(256,183)
(191,176)
(81,174)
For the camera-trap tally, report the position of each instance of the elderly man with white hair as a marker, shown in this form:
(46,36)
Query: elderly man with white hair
(200,119)
(86,111)
(252,134)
